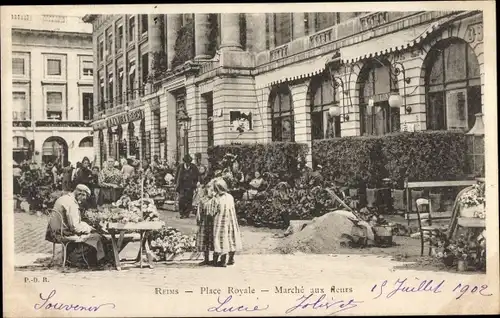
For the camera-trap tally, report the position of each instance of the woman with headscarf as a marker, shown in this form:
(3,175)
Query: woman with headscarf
(227,235)
(205,221)
(84,174)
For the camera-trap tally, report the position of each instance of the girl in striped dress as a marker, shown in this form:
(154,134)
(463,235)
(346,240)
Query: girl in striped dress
(227,236)
(205,221)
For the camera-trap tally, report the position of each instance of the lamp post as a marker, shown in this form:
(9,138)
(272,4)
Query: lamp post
(185,120)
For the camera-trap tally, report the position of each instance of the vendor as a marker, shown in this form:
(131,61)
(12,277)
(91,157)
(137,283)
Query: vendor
(255,185)
(127,169)
(66,221)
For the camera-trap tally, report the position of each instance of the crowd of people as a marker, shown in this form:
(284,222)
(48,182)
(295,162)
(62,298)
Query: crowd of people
(206,195)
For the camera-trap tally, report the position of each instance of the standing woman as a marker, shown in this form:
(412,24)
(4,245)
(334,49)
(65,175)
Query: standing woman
(205,221)
(227,236)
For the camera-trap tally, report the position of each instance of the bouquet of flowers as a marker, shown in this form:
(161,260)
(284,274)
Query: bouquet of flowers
(112,176)
(473,197)
(168,241)
(149,211)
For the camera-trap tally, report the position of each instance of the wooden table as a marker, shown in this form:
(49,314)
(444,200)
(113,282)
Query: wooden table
(144,228)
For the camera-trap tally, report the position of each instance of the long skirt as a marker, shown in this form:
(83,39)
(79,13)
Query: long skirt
(227,235)
(205,235)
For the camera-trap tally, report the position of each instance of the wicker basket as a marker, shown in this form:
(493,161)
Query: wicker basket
(383,235)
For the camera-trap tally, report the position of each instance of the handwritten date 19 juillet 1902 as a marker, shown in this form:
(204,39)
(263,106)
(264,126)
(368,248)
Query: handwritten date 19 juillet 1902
(405,286)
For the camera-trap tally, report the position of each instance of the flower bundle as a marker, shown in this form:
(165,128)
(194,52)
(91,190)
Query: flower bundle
(149,211)
(473,197)
(168,241)
(112,176)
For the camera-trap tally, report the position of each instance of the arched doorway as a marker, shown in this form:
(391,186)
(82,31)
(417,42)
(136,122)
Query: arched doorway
(55,150)
(282,118)
(87,142)
(322,96)
(375,85)
(452,86)
(20,149)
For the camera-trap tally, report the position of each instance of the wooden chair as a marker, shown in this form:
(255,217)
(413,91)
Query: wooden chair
(424,214)
(59,237)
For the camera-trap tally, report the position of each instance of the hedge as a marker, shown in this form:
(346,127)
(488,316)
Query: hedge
(365,161)
(354,161)
(425,156)
(281,158)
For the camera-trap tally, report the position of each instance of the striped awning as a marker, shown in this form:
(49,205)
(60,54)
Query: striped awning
(387,43)
(291,72)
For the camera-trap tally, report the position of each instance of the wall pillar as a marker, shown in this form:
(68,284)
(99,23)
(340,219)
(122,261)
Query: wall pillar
(201,34)
(302,117)
(171,127)
(174,22)
(351,127)
(155,36)
(230,29)
(298,25)
(256,32)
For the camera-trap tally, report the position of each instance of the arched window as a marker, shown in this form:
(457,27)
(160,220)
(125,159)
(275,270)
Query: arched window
(132,139)
(453,86)
(86,142)
(375,86)
(282,114)
(323,96)
(55,150)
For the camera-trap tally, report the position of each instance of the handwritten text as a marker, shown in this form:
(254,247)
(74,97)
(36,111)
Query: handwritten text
(46,304)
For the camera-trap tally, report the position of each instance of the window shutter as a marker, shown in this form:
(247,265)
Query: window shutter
(53,67)
(54,102)
(18,66)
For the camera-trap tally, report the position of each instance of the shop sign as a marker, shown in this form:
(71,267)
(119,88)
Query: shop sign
(125,118)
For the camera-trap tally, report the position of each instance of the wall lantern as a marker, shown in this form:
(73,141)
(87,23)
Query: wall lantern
(396,100)
(334,111)
(337,82)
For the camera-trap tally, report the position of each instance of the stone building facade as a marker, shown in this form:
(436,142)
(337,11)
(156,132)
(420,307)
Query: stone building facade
(245,78)
(52,88)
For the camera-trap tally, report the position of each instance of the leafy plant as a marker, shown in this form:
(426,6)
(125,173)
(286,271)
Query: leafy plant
(184,44)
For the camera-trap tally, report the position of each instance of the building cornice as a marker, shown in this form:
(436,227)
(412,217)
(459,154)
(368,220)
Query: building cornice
(54,33)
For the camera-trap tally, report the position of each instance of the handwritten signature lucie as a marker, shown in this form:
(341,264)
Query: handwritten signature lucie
(46,304)
(224,305)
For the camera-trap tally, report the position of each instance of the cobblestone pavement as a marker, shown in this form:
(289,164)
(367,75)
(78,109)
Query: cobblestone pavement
(30,243)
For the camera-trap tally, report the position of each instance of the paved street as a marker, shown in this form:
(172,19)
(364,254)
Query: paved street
(256,267)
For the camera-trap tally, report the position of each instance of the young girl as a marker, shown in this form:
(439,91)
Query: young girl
(227,236)
(204,219)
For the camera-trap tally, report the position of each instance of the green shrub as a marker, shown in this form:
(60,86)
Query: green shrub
(425,156)
(280,158)
(354,161)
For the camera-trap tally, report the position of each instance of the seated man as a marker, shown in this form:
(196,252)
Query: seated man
(89,250)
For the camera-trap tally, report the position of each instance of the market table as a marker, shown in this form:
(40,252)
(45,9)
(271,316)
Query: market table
(144,228)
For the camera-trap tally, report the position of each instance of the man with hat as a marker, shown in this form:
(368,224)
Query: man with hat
(186,180)
(66,220)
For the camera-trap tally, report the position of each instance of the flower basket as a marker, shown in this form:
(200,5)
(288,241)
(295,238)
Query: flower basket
(471,211)
(383,235)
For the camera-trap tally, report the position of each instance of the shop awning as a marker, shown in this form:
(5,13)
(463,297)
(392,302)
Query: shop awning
(292,72)
(132,70)
(387,43)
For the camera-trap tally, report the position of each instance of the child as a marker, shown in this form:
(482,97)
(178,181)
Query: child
(204,219)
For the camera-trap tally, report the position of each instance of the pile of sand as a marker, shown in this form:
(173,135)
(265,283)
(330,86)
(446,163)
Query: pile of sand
(324,235)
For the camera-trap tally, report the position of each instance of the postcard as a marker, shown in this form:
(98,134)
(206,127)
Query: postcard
(222,160)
